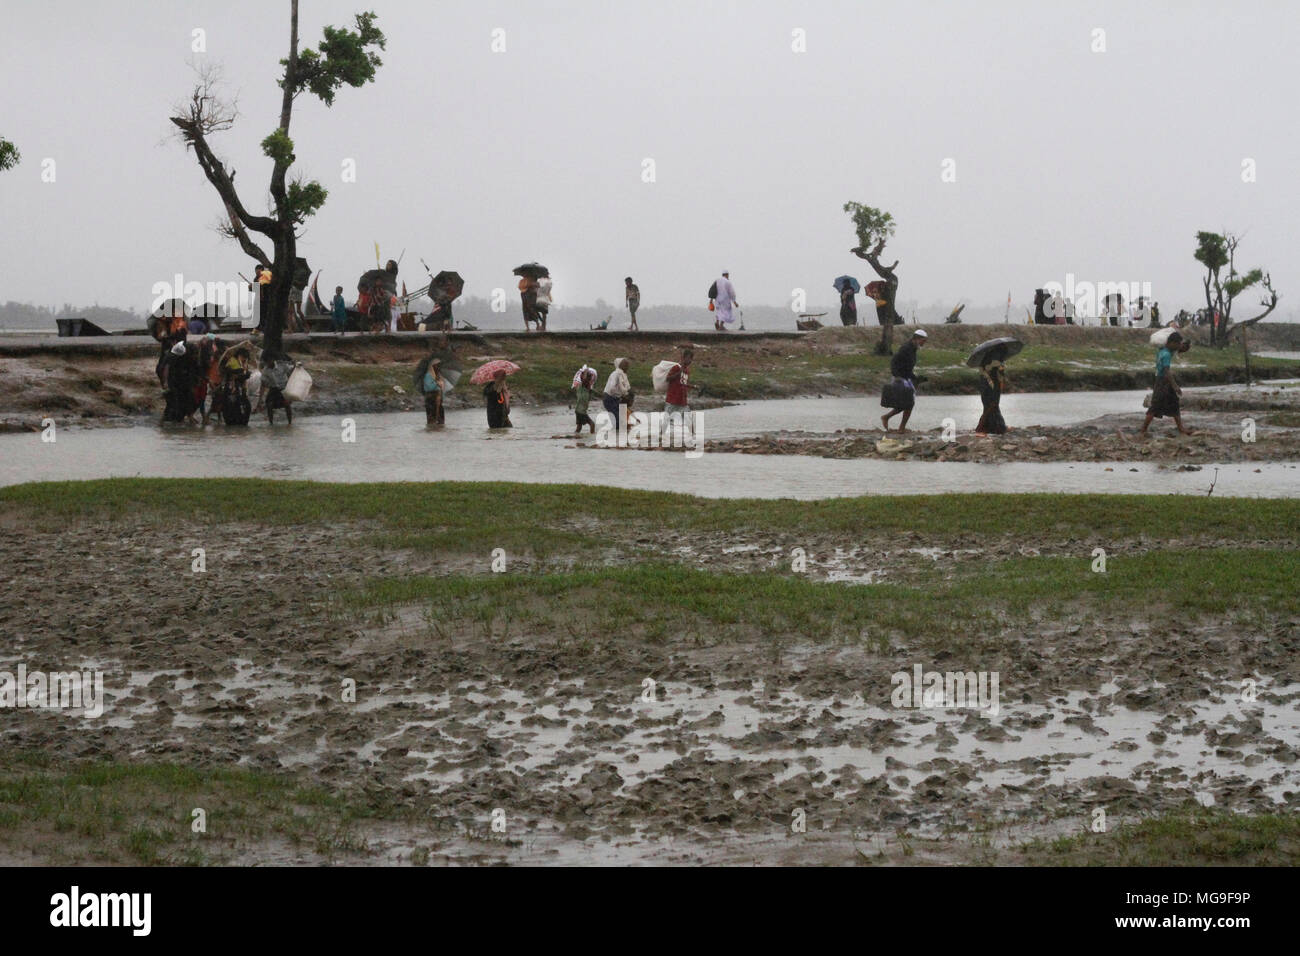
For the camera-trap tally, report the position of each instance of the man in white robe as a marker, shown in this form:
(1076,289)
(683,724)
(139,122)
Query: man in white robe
(724,300)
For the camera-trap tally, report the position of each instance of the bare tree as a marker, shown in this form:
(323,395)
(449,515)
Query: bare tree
(344,57)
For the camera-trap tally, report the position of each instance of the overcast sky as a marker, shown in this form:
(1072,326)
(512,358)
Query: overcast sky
(1103,164)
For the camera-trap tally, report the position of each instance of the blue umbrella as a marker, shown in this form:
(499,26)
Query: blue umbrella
(842,281)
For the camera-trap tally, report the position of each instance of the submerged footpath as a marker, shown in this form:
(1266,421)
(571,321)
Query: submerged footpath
(96,380)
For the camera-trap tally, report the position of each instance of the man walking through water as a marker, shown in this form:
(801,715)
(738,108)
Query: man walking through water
(677,410)
(723,299)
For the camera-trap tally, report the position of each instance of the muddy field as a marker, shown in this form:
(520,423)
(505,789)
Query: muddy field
(552,721)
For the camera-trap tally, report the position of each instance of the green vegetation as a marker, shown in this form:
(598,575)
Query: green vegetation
(128,813)
(470,516)
(1193,837)
(945,606)
(9,155)
(546,371)
(781,368)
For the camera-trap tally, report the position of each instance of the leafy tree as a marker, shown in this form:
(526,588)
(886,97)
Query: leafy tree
(874,227)
(345,57)
(9,154)
(1223,283)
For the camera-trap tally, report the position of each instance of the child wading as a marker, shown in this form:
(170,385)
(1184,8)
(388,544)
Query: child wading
(582,401)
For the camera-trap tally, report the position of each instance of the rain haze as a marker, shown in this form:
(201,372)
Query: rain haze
(1015,145)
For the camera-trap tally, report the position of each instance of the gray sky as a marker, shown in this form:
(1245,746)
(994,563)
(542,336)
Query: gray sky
(1103,164)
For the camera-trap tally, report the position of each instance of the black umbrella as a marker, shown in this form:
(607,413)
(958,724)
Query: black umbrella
(449,283)
(1012,346)
(533,270)
(378,280)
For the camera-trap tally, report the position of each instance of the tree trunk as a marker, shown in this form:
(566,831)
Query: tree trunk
(1245,354)
(286,246)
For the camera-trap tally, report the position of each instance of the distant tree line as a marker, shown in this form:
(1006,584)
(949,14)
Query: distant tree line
(24,315)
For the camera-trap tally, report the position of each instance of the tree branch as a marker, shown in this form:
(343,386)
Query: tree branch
(206,114)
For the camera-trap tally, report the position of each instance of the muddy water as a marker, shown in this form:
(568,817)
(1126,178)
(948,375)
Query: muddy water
(397,447)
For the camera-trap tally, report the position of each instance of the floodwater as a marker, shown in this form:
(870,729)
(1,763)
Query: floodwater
(396,446)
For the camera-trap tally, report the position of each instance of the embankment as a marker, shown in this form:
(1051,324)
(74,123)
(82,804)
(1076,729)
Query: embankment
(98,379)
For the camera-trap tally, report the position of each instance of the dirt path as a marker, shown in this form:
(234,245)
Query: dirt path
(1219,437)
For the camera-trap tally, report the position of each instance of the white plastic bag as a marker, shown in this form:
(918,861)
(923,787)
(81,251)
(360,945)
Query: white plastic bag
(254,383)
(659,375)
(299,385)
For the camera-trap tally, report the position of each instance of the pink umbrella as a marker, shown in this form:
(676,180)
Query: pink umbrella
(486,372)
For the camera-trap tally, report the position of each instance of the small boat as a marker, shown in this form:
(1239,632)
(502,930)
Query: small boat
(808,321)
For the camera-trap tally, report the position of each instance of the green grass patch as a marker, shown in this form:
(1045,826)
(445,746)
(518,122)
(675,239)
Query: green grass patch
(469,517)
(141,813)
(965,608)
(1193,837)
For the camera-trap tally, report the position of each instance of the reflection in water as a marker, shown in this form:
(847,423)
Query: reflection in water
(397,447)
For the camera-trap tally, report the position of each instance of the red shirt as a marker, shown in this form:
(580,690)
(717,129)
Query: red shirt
(677,379)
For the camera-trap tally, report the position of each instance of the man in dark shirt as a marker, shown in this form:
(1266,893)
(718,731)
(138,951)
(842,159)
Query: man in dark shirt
(900,393)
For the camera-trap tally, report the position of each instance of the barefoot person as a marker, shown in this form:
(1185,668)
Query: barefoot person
(618,391)
(632,295)
(677,409)
(1166,393)
(900,394)
(582,400)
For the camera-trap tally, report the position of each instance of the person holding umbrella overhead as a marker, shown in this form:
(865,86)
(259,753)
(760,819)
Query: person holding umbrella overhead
(529,274)
(848,288)
(990,357)
(900,394)
(496,396)
(444,289)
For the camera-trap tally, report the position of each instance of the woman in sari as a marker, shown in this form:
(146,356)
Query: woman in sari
(1165,394)
(993,382)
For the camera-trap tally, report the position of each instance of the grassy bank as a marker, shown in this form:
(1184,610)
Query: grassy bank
(833,362)
(470,516)
(76,379)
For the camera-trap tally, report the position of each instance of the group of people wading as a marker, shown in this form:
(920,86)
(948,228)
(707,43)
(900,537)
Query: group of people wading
(899,393)
(202,377)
